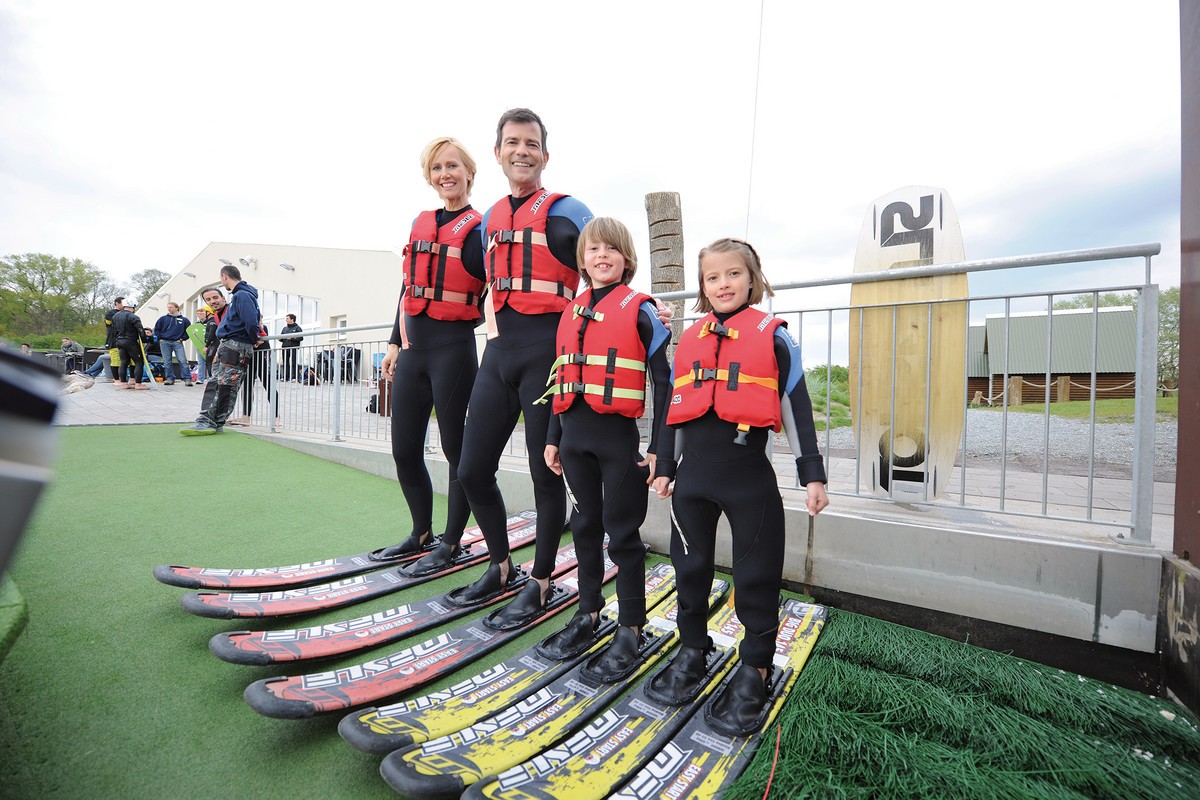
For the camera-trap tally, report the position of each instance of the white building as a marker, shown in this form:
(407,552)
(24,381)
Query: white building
(324,287)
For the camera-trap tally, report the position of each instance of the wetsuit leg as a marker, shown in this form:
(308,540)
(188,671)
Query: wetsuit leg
(452,380)
(494,409)
(751,500)
(599,454)
(550,498)
(412,400)
(693,541)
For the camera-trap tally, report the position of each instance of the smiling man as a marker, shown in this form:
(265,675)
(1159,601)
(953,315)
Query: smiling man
(530,239)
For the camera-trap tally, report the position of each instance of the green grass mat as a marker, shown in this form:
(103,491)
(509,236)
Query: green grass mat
(13,614)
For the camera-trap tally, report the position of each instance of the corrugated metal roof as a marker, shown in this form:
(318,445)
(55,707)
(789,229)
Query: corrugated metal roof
(977,360)
(1115,332)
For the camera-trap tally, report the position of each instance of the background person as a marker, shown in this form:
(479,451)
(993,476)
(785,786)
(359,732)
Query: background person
(72,354)
(170,331)
(236,334)
(289,346)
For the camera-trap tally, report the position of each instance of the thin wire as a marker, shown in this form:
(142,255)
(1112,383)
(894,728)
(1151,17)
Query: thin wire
(754,119)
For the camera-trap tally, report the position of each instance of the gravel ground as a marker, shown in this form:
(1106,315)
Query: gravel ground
(1069,443)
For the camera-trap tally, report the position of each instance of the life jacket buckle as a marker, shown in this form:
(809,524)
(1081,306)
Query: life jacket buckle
(704,374)
(417,291)
(504,237)
(424,246)
(585,312)
(504,284)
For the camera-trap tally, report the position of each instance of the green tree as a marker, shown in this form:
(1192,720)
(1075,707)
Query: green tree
(1168,325)
(1168,337)
(44,294)
(144,284)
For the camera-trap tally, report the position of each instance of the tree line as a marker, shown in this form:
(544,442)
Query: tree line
(45,297)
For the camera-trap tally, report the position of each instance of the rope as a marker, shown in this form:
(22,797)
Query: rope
(1168,389)
(754,120)
(774,762)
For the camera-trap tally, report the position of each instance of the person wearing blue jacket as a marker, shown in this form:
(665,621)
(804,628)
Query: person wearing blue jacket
(236,336)
(170,331)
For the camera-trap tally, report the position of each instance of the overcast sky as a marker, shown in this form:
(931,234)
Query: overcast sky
(134,133)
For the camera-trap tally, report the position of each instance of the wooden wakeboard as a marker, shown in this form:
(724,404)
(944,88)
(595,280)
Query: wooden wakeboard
(908,452)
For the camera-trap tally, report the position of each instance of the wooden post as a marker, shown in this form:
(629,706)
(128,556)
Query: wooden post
(1014,390)
(1064,389)
(664,213)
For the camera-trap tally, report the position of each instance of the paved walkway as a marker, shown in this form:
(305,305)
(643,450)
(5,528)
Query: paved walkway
(308,412)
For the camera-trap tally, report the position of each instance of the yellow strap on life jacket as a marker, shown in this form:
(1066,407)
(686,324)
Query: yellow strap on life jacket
(717,329)
(701,374)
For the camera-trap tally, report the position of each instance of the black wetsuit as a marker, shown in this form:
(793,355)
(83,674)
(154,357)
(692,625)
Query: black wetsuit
(435,373)
(717,476)
(128,337)
(600,455)
(512,377)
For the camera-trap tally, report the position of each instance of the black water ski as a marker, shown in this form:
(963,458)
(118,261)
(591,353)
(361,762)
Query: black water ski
(303,696)
(382,730)
(700,762)
(326,596)
(597,759)
(294,575)
(260,648)
(446,766)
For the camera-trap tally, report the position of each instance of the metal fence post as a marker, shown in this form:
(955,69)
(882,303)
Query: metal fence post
(1144,408)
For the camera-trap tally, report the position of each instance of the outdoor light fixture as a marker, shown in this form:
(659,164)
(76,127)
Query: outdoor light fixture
(162,294)
(288,267)
(248,261)
(225,261)
(152,308)
(190,274)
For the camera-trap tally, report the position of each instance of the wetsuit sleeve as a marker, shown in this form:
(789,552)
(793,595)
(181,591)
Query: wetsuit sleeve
(794,391)
(566,219)
(554,431)
(472,256)
(395,337)
(654,338)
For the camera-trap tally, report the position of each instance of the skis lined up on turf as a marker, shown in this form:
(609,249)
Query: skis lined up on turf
(382,730)
(360,633)
(326,596)
(590,764)
(446,766)
(291,576)
(304,696)
(699,762)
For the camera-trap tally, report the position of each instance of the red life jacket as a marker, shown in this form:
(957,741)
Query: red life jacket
(730,368)
(522,272)
(435,281)
(609,366)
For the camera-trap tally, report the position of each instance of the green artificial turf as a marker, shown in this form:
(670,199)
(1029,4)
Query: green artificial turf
(13,614)
(111,690)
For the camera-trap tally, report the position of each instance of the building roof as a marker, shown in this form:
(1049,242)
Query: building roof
(1071,332)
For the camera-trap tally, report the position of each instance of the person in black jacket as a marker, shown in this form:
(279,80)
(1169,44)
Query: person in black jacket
(289,346)
(128,334)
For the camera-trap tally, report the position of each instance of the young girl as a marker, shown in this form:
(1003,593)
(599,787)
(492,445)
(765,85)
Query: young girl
(737,377)
(608,339)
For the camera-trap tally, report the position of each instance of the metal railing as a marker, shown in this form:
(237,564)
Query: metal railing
(338,379)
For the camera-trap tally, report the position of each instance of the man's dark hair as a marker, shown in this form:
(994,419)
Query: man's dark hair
(232,272)
(519,115)
(118,300)
(290,317)
(216,289)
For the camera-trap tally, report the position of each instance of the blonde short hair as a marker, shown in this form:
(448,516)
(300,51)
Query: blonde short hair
(759,285)
(430,153)
(612,233)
